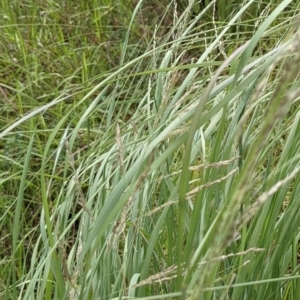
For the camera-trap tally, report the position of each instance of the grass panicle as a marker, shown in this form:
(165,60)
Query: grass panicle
(149,150)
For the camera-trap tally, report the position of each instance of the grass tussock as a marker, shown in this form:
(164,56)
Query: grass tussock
(149,151)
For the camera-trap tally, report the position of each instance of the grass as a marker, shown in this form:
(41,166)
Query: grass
(149,151)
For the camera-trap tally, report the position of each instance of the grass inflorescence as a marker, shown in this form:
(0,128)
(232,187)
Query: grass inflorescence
(149,150)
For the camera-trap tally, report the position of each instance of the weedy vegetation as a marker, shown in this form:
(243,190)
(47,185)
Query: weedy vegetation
(149,150)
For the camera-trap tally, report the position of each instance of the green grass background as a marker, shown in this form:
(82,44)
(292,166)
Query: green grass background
(149,150)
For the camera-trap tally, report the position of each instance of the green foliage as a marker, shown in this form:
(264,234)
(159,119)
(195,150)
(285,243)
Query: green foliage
(149,151)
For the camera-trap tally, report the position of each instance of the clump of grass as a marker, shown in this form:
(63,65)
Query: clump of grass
(164,167)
